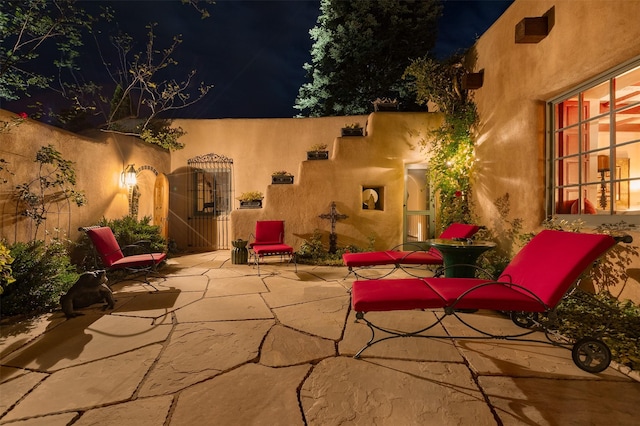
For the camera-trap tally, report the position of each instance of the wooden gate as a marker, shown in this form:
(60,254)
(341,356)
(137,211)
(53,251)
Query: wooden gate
(209,191)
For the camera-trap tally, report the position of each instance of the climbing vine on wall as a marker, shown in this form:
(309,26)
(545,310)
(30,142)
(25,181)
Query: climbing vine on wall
(450,147)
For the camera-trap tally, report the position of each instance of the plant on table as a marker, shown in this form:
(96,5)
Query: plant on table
(318,147)
(249,196)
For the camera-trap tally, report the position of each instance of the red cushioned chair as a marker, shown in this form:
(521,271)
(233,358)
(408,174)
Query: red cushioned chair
(113,257)
(539,276)
(397,258)
(269,241)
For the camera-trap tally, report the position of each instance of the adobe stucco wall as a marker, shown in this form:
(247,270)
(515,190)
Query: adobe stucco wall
(99,159)
(259,147)
(587,38)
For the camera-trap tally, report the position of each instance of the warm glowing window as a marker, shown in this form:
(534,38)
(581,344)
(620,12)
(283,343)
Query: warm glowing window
(596,146)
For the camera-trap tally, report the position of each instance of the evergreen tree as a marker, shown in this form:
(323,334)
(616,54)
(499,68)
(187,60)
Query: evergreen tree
(360,51)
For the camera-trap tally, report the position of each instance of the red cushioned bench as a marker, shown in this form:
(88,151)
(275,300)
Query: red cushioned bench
(535,281)
(398,258)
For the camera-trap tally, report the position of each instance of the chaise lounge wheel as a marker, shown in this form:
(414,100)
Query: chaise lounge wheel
(524,319)
(591,355)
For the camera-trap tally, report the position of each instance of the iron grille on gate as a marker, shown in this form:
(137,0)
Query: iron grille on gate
(209,188)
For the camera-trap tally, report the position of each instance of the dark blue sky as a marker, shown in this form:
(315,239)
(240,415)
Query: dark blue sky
(256,49)
(253,51)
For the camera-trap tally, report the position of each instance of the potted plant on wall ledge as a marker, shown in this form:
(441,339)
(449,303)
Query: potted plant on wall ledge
(353,129)
(386,104)
(318,152)
(251,200)
(281,177)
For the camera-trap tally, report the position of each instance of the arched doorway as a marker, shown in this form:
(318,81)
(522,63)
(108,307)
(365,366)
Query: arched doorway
(150,198)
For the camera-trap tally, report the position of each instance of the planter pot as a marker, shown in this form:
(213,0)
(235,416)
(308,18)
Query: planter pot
(239,253)
(347,131)
(317,155)
(256,204)
(281,179)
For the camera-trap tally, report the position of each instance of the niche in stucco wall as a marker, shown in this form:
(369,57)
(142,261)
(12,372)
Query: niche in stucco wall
(372,197)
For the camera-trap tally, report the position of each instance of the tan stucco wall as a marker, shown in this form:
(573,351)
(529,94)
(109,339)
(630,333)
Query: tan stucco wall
(99,159)
(587,38)
(259,147)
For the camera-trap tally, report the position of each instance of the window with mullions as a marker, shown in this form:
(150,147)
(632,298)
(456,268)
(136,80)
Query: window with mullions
(212,190)
(596,146)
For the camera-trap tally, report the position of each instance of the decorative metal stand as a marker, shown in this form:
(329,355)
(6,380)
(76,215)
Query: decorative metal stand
(333,216)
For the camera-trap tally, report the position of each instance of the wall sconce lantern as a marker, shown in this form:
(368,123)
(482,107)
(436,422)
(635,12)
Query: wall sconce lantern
(603,167)
(128,176)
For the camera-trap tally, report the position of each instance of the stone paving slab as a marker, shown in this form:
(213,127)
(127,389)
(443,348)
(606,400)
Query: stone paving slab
(391,392)
(410,348)
(145,411)
(13,336)
(126,287)
(235,285)
(15,389)
(324,318)
(536,401)
(232,271)
(524,359)
(199,351)
(87,338)
(183,283)
(321,273)
(156,305)
(250,395)
(284,347)
(516,358)
(53,420)
(242,307)
(87,386)
(10,373)
(284,292)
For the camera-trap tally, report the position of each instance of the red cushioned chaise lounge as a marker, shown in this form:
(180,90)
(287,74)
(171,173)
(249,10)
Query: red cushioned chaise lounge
(397,258)
(539,276)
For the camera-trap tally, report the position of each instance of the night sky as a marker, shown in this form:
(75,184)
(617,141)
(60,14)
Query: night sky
(253,51)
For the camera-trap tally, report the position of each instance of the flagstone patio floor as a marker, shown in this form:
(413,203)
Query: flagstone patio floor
(217,344)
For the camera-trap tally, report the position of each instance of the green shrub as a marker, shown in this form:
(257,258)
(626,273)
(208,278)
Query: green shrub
(313,252)
(6,274)
(127,231)
(618,321)
(42,274)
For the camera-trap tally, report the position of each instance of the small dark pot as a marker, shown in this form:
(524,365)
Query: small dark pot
(281,179)
(317,155)
(256,204)
(347,131)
